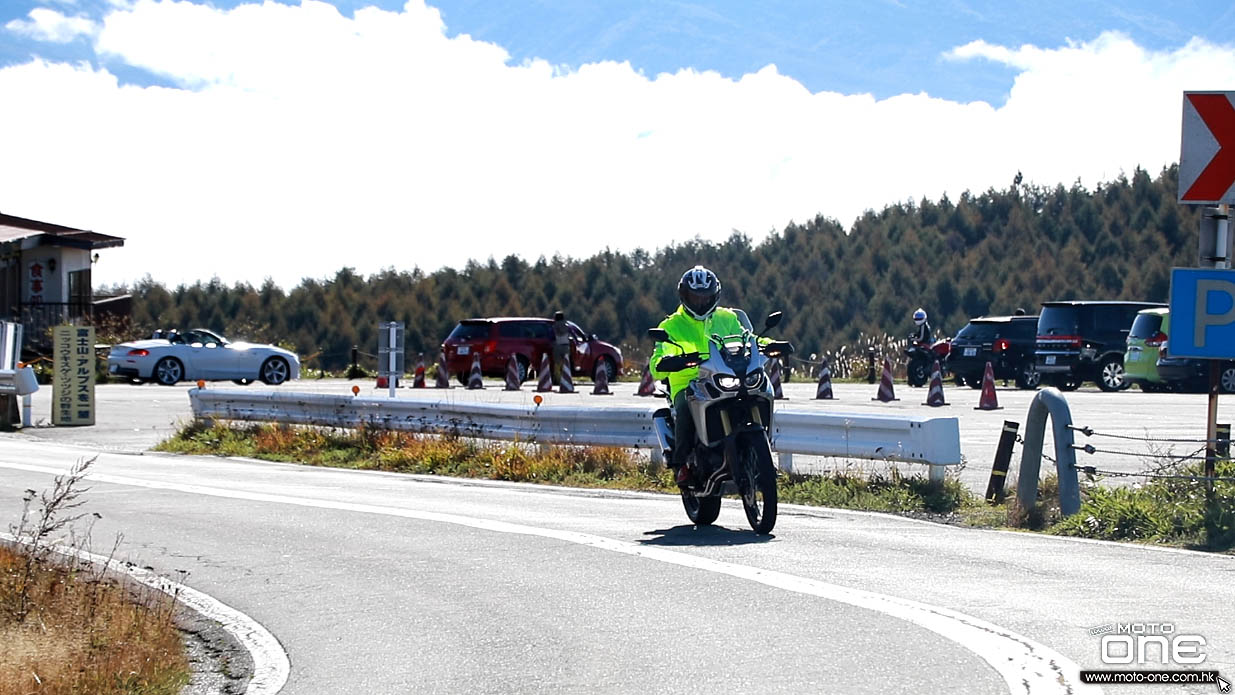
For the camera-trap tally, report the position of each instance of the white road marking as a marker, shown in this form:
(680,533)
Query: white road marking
(271,666)
(1025,665)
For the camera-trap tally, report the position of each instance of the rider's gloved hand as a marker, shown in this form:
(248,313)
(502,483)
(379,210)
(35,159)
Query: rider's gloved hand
(676,363)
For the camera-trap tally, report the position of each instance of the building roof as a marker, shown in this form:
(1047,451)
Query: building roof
(14,228)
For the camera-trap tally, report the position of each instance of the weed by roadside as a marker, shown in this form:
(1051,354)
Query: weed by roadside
(68,627)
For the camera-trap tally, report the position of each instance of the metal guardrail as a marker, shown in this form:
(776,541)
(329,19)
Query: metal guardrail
(933,441)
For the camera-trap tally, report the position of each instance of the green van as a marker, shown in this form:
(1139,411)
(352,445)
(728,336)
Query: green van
(1149,331)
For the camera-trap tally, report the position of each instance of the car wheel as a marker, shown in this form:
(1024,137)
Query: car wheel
(1028,376)
(1111,375)
(275,371)
(606,364)
(1226,379)
(974,382)
(242,382)
(1066,382)
(168,371)
(521,364)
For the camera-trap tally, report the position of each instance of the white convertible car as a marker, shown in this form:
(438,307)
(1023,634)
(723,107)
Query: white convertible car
(170,356)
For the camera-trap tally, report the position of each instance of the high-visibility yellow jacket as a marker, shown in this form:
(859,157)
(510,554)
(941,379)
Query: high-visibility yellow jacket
(692,334)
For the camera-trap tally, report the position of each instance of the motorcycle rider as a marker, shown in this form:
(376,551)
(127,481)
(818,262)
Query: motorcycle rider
(922,334)
(696,318)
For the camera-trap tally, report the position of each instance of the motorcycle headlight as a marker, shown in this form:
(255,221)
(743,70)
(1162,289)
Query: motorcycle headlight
(726,383)
(754,379)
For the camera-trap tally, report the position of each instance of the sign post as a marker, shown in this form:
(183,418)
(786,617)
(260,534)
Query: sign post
(73,377)
(1207,177)
(390,356)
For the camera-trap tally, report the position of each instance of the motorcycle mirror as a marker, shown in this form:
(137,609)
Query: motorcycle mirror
(660,335)
(773,319)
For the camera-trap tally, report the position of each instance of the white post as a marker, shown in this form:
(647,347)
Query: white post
(394,378)
(786,462)
(27,408)
(937,473)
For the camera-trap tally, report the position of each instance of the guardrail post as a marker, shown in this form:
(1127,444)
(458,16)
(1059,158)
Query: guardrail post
(1003,460)
(785,461)
(1049,401)
(27,410)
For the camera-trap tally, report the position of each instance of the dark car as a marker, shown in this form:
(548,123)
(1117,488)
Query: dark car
(1081,341)
(1007,342)
(1192,374)
(528,339)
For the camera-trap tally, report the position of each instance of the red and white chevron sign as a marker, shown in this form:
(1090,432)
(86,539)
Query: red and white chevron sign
(1207,153)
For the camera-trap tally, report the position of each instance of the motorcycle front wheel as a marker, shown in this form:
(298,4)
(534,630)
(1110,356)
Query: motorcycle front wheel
(759,497)
(702,511)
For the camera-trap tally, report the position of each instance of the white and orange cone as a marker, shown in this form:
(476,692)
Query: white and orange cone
(886,392)
(601,387)
(443,374)
(774,377)
(544,377)
(474,380)
(647,385)
(824,391)
(934,396)
(988,401)
(512,374)
(418,381)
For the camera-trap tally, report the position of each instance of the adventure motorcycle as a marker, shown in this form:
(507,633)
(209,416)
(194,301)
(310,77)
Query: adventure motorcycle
(731,404)
(922,358)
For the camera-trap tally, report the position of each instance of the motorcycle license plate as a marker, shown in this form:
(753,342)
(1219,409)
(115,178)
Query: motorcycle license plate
(464,349)
(970,352)
(1050,359)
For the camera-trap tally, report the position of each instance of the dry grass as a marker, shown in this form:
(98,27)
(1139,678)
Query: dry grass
(66,626)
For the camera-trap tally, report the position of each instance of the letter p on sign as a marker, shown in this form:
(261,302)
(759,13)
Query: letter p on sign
(1202,313)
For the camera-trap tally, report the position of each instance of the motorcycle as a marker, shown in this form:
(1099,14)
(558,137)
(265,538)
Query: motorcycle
(922,358)
(731,404)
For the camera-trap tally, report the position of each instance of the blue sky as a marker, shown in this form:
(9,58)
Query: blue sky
(434,134)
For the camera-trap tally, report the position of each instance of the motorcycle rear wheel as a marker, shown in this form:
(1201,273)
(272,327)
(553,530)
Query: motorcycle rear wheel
(702,511)
(759,498)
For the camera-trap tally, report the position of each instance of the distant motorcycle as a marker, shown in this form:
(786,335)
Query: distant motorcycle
(731,403)
(922,358)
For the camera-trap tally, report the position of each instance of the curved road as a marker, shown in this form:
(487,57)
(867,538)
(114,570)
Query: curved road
(383,583)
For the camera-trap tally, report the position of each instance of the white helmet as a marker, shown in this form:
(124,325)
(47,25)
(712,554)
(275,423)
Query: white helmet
(919,317)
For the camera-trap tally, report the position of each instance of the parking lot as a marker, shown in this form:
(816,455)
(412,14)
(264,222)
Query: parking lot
(134,418)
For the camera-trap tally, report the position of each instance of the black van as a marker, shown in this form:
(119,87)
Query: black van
(1081,341)
(1006,342)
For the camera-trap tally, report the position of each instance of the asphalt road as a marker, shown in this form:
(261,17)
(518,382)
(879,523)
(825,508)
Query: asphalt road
(133,418)
(381,583)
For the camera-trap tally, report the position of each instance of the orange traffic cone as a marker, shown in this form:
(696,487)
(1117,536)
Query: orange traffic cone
(774,377)
(988,401)
(566,383)
(544,377)
(885,392)
(601,388)
(443,374)
(512,374)
(934,396)
(647,386)
(824,391)
(473,379)
(418,381)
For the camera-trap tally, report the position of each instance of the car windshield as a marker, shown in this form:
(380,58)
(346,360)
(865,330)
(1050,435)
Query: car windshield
(979,332)
(1145,325)
(1057,320)
(469,330)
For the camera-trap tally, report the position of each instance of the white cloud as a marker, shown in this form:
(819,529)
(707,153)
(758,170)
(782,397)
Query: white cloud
(51,25)
(304,140)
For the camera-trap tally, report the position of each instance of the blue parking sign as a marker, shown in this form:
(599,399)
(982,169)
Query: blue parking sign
(1202,313)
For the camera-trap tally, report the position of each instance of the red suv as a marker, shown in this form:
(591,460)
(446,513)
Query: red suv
(528,339)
